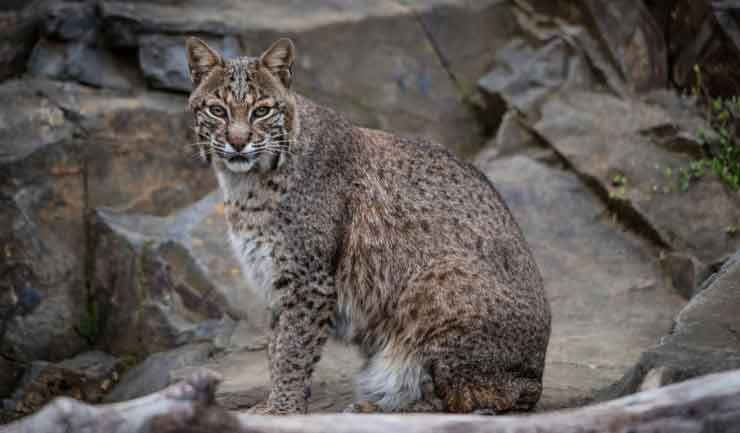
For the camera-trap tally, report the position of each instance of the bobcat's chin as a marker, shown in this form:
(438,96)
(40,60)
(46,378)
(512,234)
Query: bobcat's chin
(240,165)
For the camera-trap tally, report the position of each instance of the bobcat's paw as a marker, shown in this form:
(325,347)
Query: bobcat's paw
(263,408)
(363,407)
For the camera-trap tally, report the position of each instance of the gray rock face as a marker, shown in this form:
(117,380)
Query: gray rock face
(627,148)
(609,301)
(68,21)
(524,76)
(161,282)
(165,65)
(41,227)
(704,339)
(68,148)
(154,373)
(81,61)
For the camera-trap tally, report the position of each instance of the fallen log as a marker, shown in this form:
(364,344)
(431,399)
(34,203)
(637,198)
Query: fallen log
(707,404)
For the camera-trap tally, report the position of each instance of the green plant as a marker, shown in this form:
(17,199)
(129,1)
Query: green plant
(723,142)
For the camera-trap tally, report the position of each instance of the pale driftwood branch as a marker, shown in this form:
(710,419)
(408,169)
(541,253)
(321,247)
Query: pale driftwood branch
(708,404)
(182,400)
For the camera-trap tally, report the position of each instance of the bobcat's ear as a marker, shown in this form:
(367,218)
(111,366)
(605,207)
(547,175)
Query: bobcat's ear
(278,59)
(201,59)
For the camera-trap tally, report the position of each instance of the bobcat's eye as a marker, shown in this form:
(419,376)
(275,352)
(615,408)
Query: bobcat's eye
(217,111)
(261,111)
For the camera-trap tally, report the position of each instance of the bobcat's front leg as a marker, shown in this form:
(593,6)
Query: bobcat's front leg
(302,316)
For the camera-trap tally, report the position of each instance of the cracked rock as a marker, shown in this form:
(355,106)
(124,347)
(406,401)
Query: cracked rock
(619,144)
(161,282)
(705,337)
(609,301)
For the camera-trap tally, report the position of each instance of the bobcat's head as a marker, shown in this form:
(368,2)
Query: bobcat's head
(244,111)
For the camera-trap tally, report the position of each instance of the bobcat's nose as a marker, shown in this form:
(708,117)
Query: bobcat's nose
(238,137)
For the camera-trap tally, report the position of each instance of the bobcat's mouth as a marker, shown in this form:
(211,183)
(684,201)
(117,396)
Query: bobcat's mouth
(239,163)
(239,158)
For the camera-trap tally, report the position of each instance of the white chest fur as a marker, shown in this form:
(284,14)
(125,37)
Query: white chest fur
(255,257)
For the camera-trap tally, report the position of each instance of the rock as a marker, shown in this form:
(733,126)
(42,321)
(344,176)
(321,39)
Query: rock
(160,282)
(69,148)
(41,227)
(385,81)
(69,21)
(154,373)
(514,137)
(609,301)
(705,34)
(705,337)
(86,377)
(467,35)
(142,160)
(81,61)
(247,378)
(686,273)
(72,49)
(625,148)
(164,62)
(20,30)
(524,76)
(632,39)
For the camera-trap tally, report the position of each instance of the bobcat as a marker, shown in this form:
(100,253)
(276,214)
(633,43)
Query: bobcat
(390,243)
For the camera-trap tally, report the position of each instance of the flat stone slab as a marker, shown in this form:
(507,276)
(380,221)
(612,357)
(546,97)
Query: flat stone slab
(635,153)
(705,338)
(246,378)
(608,296)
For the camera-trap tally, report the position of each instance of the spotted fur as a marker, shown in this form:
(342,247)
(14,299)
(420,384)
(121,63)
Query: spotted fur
(390,243)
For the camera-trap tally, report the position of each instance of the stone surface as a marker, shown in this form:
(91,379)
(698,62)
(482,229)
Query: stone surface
(80,61)
(142,160)
(154,373)
(609,301)
(20,30)
(68,21)
(627,148)
(41,227)
(524,76)
(467,35)
(515,137)
(686,272)
(246,378)
(160,282)
(164,62)
(87,377)
(633,40)
(705,337)
(706,34)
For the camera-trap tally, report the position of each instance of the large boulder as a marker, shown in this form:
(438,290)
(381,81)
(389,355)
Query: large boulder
(640,156)
(608,295)
(68,148)
(161,282)
(42,190)
(705,337)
